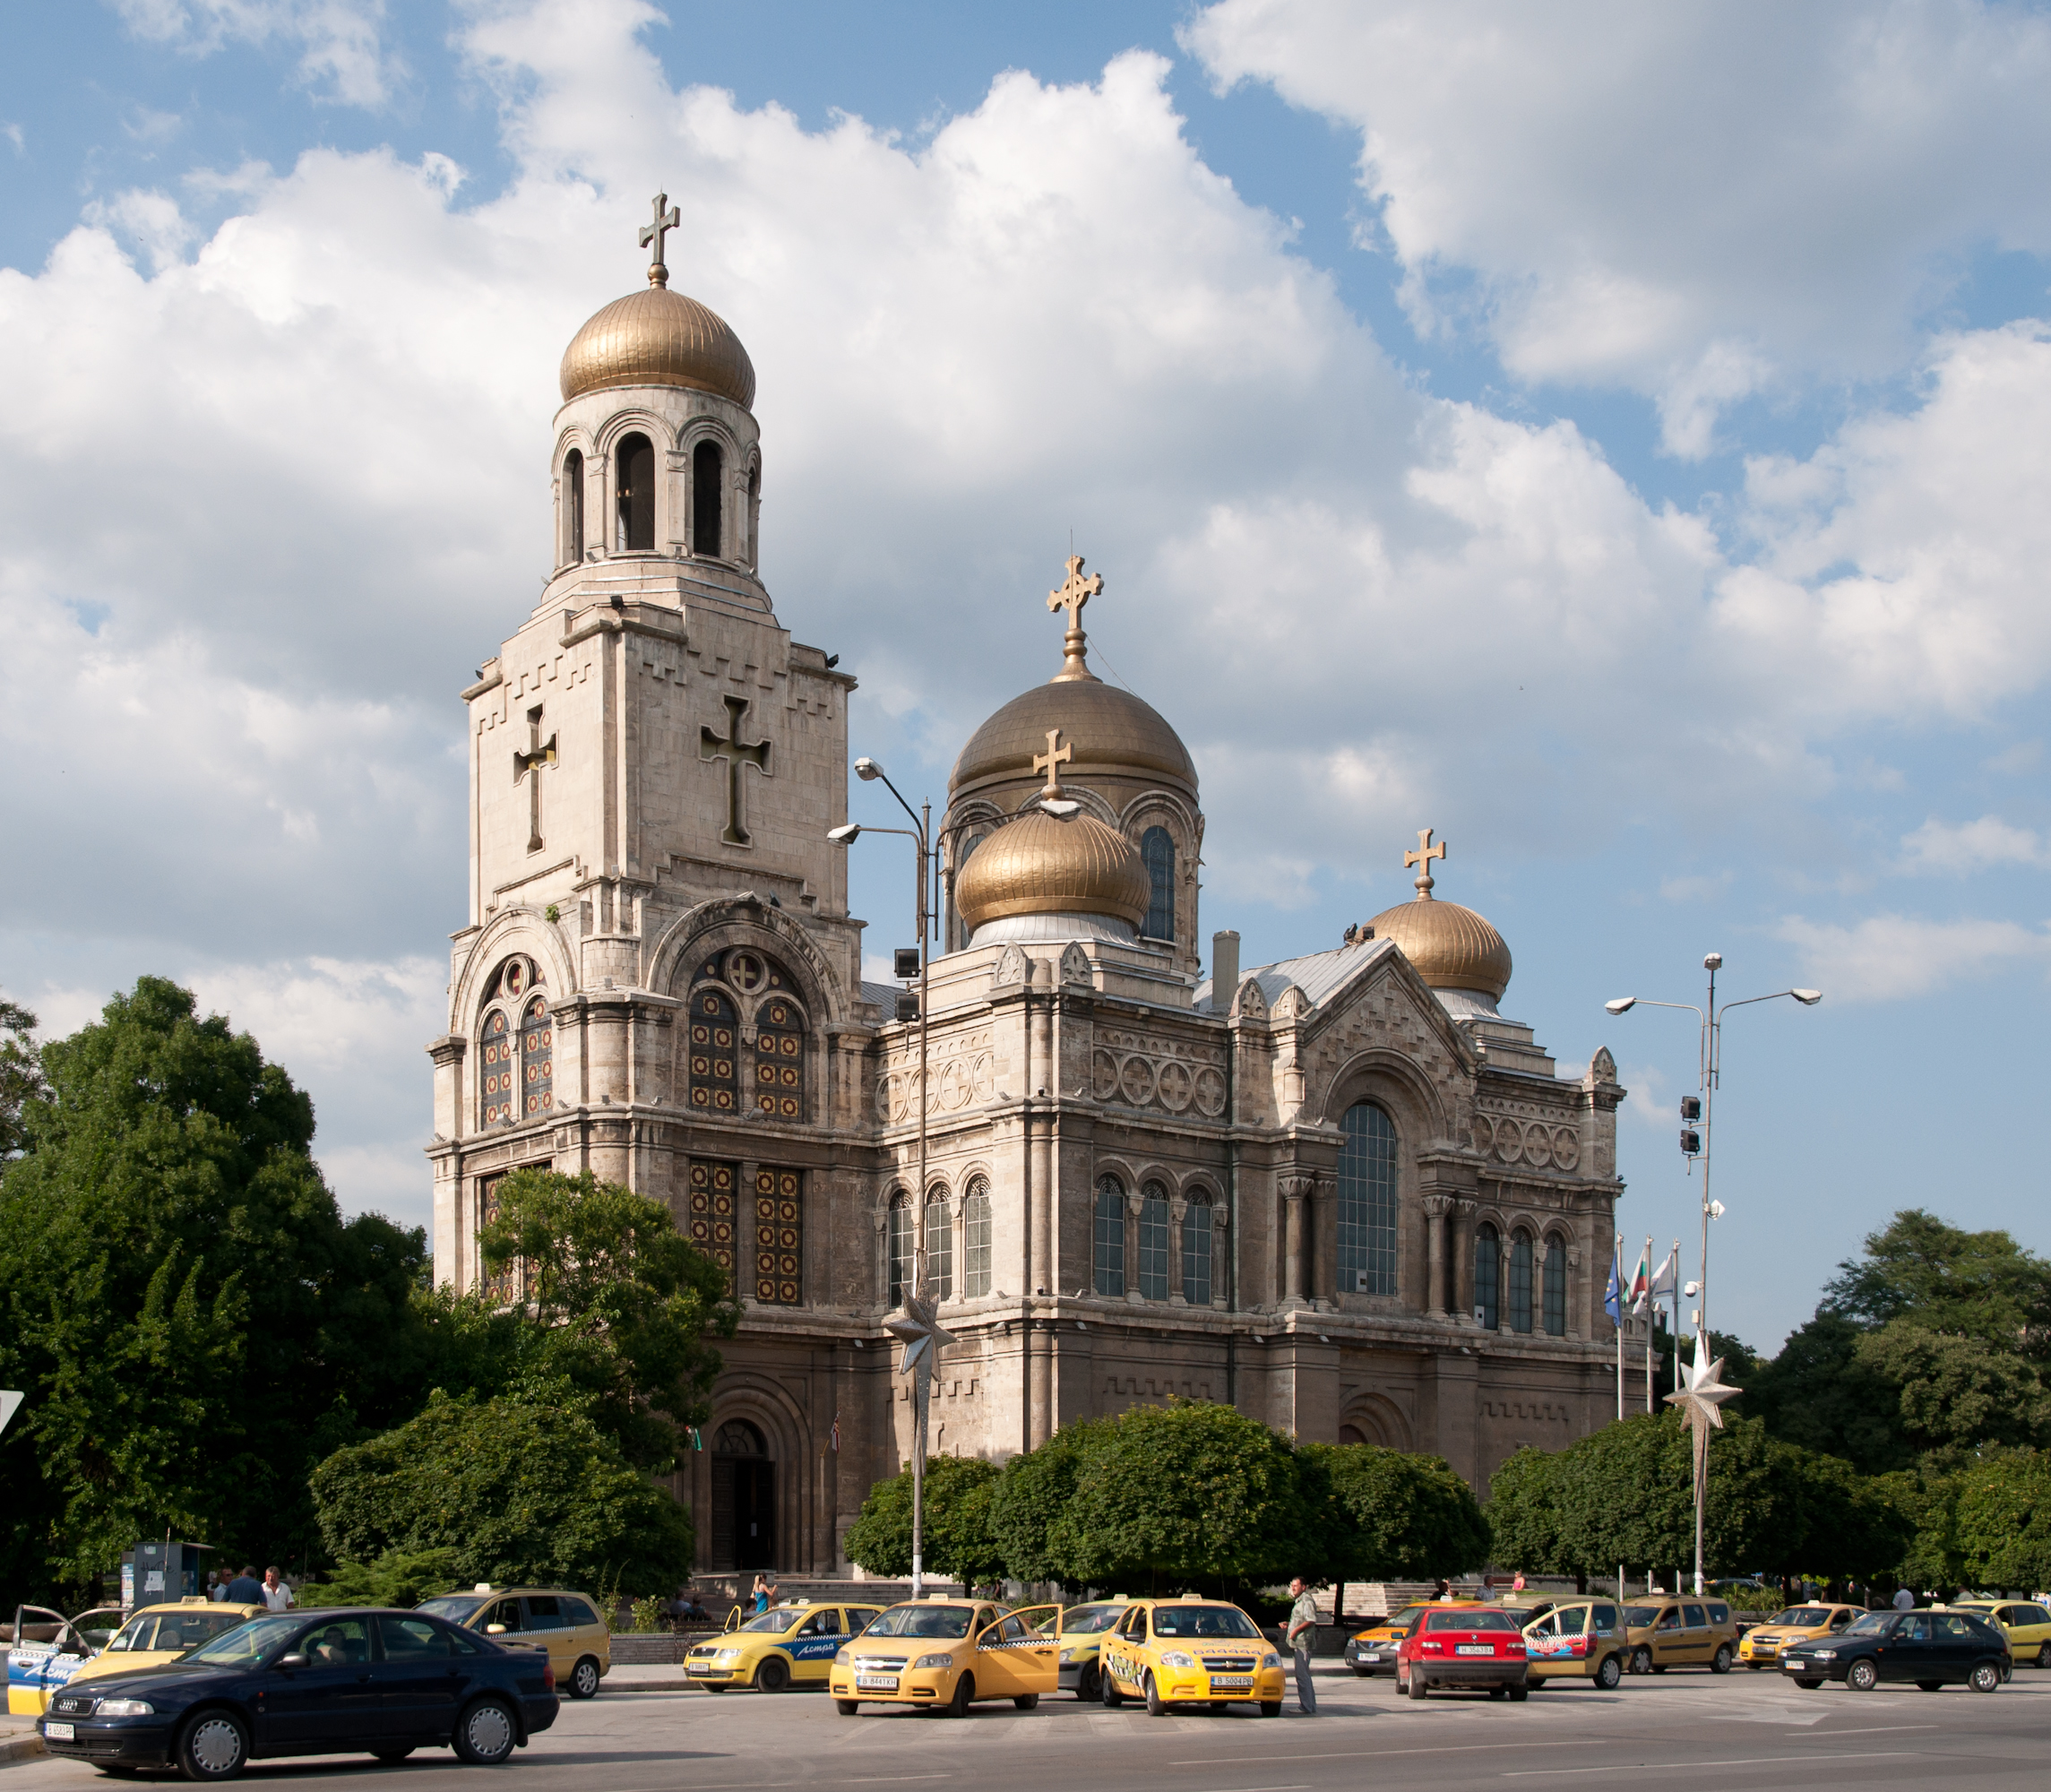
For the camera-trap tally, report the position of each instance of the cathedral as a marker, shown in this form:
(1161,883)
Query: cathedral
(1341,1192)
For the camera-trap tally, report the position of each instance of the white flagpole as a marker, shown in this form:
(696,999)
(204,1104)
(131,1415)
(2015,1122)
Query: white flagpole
(1648,1323)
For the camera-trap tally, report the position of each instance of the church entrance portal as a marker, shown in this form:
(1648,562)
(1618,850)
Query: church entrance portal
(744,1498)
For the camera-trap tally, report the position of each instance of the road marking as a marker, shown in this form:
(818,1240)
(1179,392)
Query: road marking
(1359,1753)
(1704,1766)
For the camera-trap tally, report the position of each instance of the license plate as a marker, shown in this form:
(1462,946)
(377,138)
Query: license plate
(1474,1649)
(699,1668)
(1369,1655)
(1792,1667)
(56,1732)
(1229,1680)
(876,1683)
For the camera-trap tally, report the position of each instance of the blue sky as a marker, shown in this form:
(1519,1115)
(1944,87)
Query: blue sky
(1614,437)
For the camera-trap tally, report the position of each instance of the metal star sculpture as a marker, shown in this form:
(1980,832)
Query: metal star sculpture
(921,1334)
(1702,1398)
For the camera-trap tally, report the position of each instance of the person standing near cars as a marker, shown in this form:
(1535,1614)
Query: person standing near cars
(1302,1634)
(277,1595)
(246,1588)
(1904,1600)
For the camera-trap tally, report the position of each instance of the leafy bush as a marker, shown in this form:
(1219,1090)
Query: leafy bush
(395,1579)
(959,1544)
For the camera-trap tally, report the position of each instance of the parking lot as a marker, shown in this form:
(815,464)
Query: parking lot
(1696,1729)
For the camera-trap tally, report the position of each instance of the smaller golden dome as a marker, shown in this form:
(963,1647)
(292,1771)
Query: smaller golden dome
(658,337)
(1048,865)
(1450,947)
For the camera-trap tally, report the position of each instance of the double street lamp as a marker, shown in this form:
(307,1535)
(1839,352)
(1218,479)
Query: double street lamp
(1710,1072)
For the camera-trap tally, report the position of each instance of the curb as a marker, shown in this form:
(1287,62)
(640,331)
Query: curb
(24,1748)
(679,1684)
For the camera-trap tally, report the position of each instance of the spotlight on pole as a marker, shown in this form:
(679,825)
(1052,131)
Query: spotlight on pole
(846,834)
(868,769)
(1808,998)
(1623,1004)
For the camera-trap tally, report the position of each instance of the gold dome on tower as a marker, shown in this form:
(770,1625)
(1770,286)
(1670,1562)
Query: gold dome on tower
(1449,947)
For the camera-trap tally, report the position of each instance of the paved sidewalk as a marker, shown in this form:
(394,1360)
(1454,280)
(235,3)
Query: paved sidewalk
(18,1739)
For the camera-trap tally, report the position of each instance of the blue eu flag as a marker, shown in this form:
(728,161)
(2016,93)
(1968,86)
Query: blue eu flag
(1613,1298)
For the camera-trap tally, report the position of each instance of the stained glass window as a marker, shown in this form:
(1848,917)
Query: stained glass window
(1196,1252)
(714,1052)
(1521,1281)
(1488,1277)
(712,1215)
(1157,847)
(939,1248)
(1367,1201)
(899,1243)
(1110,1254)
(1156,1233)
(1555,1288)
(779,1237)
(538,1058)
(779,1060)
(496,1079)
(976,1240)
(507,1285)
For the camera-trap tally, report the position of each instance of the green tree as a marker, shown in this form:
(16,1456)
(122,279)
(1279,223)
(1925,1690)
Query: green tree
(395,1579)
(1399,1517)
(2002,1519)
(613,1300)
(21,1077)
(1820,1393)
(194,1322)
(1524,1516)
(511,1489)
(1981,1283)
(959,1544)
(1955,1389)
(1029,1499)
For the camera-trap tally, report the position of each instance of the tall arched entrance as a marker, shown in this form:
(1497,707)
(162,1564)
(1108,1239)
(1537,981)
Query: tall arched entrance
(744,1498)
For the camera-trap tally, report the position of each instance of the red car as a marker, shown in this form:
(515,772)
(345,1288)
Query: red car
(1464,1647)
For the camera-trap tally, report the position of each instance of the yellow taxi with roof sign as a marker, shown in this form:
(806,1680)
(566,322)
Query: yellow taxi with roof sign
(160,1633)
(790,1644)
(948,1654)
(2026,1623)
(1083,1631)
(1190,1652)
(1763,1645)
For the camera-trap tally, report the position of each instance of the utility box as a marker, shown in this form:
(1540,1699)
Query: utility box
(164,1571)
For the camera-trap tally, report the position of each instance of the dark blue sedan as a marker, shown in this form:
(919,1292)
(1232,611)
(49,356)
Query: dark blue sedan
(341,1682)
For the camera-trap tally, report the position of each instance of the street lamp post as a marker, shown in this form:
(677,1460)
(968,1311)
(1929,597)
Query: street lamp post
(1709,1074)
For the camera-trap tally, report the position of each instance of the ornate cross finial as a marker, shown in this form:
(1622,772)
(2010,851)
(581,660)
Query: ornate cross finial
(1072,596)
(1422,859)
(665,221)
(1050,761)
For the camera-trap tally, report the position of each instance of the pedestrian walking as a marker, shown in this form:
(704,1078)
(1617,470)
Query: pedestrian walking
(277,1595)
(246,1588)
(1517,1585)
(761,1594)
(768,1590)
(1302,1634)
(1904,1600)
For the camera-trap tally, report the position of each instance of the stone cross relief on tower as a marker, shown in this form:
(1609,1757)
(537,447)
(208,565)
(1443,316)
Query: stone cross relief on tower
(738,757)
(526,763)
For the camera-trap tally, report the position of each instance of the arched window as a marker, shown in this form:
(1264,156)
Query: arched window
(1367,1201)
(779,1060)
(1111,1239)
(537,1059)
(1521,1281)
(715,1052)
(976,1240)
(634,532)
(1158,850)
(738,1437)
(1488,1278)
(573,505)
(939,1247)
(1196,1250)
(1555,1288)
(899,1242)
(499,1053)
(752,551)
(707,466)
(1157,1238)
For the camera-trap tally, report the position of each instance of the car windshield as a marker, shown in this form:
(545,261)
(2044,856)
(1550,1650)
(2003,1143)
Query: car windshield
(1806,1615)
(1638,1617)
(1408,1616)
(456,1607)
(1202,1620)
(1088,1620)
(775,1622)
(942,1621)
(1870,1624)
(1469,1620)
(247,1642)
(173,1630)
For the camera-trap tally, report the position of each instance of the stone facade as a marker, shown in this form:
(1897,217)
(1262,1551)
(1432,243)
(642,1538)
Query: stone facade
(659,981)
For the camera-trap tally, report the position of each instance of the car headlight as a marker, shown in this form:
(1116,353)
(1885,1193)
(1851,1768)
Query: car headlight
(841,1659)
(125,1708)
(1270,1661)
(1174,1658)
(1825,1655)
(1068,1655)
(935,1661)
(728,1654)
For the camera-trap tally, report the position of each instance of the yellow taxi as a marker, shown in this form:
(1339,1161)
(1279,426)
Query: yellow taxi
(160,1633)
(1578,1640)
(1372,1651)
(946,1654)
(1684,1633)
(1082,1630)
(578,1642)
(793,1643)
(1761,1646)
(45,1649)
(1191,1651)
(2026,1626)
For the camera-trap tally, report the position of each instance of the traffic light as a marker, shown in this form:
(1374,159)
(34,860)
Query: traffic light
(1691,1107)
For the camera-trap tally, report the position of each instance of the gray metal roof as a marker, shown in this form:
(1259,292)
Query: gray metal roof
(1319,975)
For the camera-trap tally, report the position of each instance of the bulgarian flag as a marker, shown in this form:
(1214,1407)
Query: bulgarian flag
(1641,1280)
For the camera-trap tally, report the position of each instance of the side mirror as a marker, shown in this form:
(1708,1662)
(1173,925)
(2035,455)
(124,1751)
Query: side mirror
(295,1660)
(495,1630)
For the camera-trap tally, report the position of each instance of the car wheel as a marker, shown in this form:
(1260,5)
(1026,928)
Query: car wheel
(1155,1708)
(1721,1663)
(1609,1673)
(1518,1694)
(964,1692)
(584,1678)
(390,1757)
(214,1746)
(1807,1685)
(1641,1659)
(1271,1707)
(1862,1676)
(773,1675)
(1987,1676)
(486,1734)
(1087,1684)
(2044,1656)
(1417,1688)
(1113,1698)
(848,1707)
(1498,1691)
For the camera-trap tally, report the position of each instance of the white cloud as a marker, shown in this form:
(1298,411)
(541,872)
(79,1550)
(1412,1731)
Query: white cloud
(341,51)
(1939,847)
(1892,958)
(1684,198)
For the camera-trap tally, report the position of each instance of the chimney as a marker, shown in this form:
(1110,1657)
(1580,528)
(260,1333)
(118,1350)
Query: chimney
(1224,970)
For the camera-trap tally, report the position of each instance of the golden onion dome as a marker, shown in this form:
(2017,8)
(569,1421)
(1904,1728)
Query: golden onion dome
(658,338)
(1112,731)
(1050,865)
(1450,947)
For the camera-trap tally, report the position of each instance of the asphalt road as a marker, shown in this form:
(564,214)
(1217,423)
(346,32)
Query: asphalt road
(1685,1729)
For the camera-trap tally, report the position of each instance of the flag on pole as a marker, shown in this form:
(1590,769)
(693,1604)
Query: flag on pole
(1613,1297)
(1641,1280)
(1665,1280)
(836,1434)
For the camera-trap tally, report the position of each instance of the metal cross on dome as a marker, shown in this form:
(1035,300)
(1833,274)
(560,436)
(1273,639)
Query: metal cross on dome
(1076,592)
(665,221)
(1422,859)
(1051,761)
